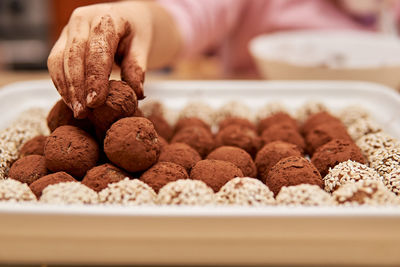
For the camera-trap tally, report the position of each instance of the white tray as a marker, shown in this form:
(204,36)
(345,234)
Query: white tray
(206,235)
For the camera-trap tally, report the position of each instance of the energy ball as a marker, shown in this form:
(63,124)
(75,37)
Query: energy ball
(352,114)
(304,195)
(292,171)
(237,156)
(280,118)
(100,176)
(270,109)
(35,146)
(318,119)
(233,109)
(215,173)
(14,191)
(54,178)
(271,153)
(285,133)
(199,110)
(132,144)
(162,173)
(392,181)
(245,191)
(335,152)
(197,137)
(181,154)
(365,192)
(186,192)
(370,143)
(239,136)
(128,193)
(363,127)
(69,193)
(162,127)
(385,160)
(308,109)
(348,171)
(28,169)
(236,121)
(72,150)
(190,122)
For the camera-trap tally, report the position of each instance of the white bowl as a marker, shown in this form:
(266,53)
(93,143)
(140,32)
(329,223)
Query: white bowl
(328,55)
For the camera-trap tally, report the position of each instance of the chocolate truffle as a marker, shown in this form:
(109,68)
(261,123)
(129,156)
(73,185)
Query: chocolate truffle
(392,181)
(348,171)
(271,153)
(162,127)
(181,154)
(278,118)
(233,109)
(162,173)
(304,195)
(163,143)
(309,108)
(28,169)
(239,136)
(54,178)
(237,121)
(132,144)
(285,133)
(186,192)
(245,191)
(270,109)
(363,127)
(237,156)
(352,114)
(370,143)
(14,191)
(318,119)
(197,137)
(199,110)
(215,173)
(385,160)
(128,193)
(72,150)
(35,146)
(335,152)
(292,171)
(189,122)
(69,193)
(100,176)
(138,113)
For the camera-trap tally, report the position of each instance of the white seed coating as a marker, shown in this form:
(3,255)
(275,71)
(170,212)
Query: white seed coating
(392,181)
(69,193)
(304,195)
(186,192)
(308,109)
(348,171)
(199,110)
(369,143)
(128,192)
(363,127)
(365,192)
(270,109)
(152,107)
(352,114)
(233,109)
(245,191)
(385,160)
(14,191)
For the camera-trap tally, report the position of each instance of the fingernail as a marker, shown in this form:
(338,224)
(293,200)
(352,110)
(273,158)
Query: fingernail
(90,97)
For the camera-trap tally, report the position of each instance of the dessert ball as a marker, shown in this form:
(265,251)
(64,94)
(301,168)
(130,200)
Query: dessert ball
(318,119)
(186,192)
(162,127)
(132,144)
(370,143)
(278,118)
(138,113)
(28,169)
(128,193)
(181,154)
(335,152)
(385,160)
(239,136)
(304,195)
(35,146)
(348,171)
(162,173)
(72,150)
(163,142)
(14,191)
(245,191)
(233,109)
(392,181)
(352,114)
(215,173)
(271,153)
(69,193)
(308,109)
(363,127)
(285,133)
(152,107)
(292,171)
(237,156)
(197,137)
(189,122)
(270,109)
(54,178)
(199,110)
(237,121)
(365,192)
(100,176)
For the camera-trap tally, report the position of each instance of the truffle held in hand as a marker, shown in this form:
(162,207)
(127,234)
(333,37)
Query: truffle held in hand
(28,169)
(54,178)
(100,176)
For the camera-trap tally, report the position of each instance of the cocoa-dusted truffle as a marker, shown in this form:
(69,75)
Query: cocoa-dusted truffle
(277,118)
(308,109)
(163,142)
(162,173)
(304,195)
(335,152)
(189,122)
(237,121)
(54,178)
(14,191)
(283,132)
(28,169)
(132,144)
(237,156)
(318,119)
(197,137)
(72,150)
(215,173)
(162,127)
(292,171)
(100,176)
(271,153)
(67,193)
(35,146)
(239,136)
(181,154)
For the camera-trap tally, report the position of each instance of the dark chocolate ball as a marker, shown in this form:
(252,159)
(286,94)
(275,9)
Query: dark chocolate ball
(162,173)
(28,169)
(35,146)
(162,127)
(237,121)
(285,133)
(100,176)
(277,118)
(181,154)
(189,122)
(239,136)
(197,137)
(317,119)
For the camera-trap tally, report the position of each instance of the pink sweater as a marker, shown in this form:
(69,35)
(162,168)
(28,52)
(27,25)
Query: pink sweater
(226,26)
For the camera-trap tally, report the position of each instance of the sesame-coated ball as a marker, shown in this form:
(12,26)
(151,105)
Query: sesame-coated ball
(363,127)
(385,161)
(304,195)
(370,143)
(14,191)
(69,193)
